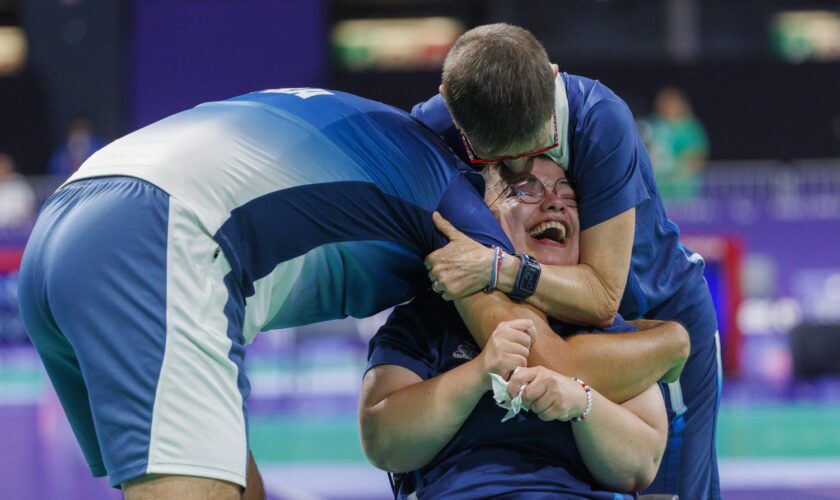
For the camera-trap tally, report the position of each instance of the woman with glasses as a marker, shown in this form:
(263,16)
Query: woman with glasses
(427,413)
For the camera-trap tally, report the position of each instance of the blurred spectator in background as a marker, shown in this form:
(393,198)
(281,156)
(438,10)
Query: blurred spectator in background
(677,144)
(17,199)
(81,142)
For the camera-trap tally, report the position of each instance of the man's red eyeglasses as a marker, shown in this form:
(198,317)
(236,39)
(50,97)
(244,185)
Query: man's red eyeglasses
(475,160)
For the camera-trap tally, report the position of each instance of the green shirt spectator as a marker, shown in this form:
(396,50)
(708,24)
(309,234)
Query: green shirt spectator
(677,145)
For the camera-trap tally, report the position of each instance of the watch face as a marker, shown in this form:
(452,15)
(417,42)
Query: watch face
(526,279)
(529,281)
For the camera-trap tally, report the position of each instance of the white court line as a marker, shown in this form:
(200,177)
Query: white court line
(318,480)
(779,472)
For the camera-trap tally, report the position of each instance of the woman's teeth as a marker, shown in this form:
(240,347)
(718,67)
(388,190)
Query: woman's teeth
(552,230)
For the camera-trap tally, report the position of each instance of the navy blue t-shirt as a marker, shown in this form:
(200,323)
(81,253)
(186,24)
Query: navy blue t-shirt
(521,458)
(612,173)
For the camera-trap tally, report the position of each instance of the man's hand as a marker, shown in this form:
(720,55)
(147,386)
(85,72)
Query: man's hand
(462,267)
(507,348)
(549,395)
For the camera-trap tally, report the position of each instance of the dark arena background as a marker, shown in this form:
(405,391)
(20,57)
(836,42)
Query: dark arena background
(760,199)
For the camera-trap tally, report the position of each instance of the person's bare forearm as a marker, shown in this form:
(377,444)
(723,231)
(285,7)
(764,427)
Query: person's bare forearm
(405,431)
(575,294)
(620,448)
(623,365)
(620,366)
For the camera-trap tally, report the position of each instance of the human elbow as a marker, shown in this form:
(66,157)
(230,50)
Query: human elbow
(683,339)
(380,459)
(646,469)
(373,443)
(645,476)
(638,480)
(638,471)
(604,315)
(605,307)
(377,450)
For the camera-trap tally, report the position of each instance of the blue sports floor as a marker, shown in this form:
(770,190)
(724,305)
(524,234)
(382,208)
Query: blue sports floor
(772,444)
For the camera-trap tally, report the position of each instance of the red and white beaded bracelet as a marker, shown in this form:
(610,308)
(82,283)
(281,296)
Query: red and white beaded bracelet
(588,409)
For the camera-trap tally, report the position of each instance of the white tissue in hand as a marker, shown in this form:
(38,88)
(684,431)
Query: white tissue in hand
(503,399)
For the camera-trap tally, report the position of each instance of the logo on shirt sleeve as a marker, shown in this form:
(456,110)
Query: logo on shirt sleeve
(465,351)
(303,93)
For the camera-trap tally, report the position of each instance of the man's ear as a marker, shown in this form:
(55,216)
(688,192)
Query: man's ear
(441,91)
(554,67)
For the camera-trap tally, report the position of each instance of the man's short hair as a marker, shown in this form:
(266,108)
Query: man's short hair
(499,85)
